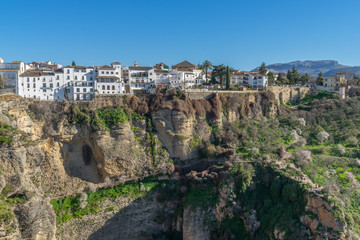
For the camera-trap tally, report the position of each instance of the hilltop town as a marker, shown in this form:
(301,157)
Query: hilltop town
(51,81)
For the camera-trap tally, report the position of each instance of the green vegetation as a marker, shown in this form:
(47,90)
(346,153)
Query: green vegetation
(6,133)
(334,163)
(201,196)
(70,207)
(195,142)
(6,213)
(266,198)
(6,204)
(309,98)
(103,118)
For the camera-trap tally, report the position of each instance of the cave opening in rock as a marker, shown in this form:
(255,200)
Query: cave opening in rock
(87,154)
(81,161)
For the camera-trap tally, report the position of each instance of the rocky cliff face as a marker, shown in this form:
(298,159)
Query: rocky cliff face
(61,149)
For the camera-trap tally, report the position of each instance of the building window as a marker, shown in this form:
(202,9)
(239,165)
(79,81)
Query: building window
(77,89)
(28,85)
(102,72)
(58,84)
(107,72)
(44,85)
(68,78)
(68,71)
(84,89)
(51,85)
(116,73)
(108,87)
(113,87)
(57,77)
(75,77)
(83,78)
(112,72)
(103,87)
(34,85)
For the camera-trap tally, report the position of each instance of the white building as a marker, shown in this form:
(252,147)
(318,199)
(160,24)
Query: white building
(10,72)
(249,79)
(71,82)
(139,79)
(162,75)
(185,75)
(108,79)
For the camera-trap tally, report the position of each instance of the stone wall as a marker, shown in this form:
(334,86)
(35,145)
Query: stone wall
(285,94)
(209,94)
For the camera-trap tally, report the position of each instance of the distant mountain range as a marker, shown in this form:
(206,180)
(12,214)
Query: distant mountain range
(327,67)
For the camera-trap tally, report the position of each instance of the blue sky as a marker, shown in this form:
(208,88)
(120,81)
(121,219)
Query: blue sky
(239,33)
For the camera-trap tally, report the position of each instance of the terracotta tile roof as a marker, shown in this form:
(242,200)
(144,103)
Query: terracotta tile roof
(161,71)
(140,68)
(107,77)
(32,73)
(9,70)
(184,64)
(116,62)
(106,67)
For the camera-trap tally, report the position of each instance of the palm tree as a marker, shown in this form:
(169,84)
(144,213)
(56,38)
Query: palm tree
(219,71)
(207,65)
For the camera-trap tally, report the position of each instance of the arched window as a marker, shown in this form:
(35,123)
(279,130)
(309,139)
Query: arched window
(107,72)
(75,77)
(108,87)
(113,87)
(103,87)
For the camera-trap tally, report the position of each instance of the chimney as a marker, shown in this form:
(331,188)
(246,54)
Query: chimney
(135,64)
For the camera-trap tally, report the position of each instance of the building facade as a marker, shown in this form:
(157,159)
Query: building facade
(333,83)
(139,79)
(73,83)
(10,72)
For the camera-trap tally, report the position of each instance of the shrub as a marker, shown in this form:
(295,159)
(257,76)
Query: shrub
(322,136)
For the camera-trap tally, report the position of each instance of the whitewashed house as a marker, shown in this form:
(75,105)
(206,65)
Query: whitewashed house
(10,72)
(185,75)
(139,79)
(109,79)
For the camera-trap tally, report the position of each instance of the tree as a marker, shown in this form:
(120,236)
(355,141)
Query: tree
(295,75)
(282,79)
(207,65)
(290,77)
(320,79)
(228,76)
(73,64)
(271,77)
(305,78)
(263,70)
(1,82)
(220,72)
(355,80)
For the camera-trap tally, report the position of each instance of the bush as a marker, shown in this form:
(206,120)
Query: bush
(322,136)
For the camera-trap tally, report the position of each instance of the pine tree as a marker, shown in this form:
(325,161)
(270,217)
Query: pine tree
(295,75)
(305,78)
(290,77)
(73,64)
(263,69)
(320,79)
